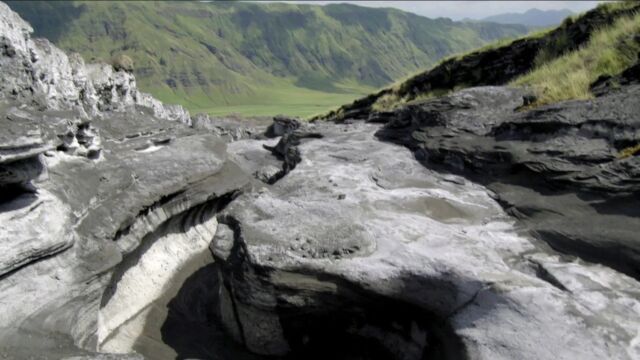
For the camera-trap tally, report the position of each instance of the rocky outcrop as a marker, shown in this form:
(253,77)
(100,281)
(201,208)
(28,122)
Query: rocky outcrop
(378,257)
(123,232)
(39,74)
(282,125)
(64,244)
(21,149)
(105,192)
(558,168)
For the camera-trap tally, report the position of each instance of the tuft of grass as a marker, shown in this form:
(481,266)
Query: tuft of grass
(387,102)
(609,51)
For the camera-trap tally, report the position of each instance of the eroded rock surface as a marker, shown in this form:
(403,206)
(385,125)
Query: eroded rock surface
(405,262)
(126,230)
(108,196)
(37,73)
(558,168)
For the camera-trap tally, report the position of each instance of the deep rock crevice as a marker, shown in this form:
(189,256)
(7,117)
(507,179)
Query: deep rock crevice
(147,279)
(318,316)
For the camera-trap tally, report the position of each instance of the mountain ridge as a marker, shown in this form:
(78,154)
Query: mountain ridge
(224,55)
(533,17)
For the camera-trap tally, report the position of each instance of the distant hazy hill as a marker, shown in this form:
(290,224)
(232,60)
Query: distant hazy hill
(257,58)
(531,18)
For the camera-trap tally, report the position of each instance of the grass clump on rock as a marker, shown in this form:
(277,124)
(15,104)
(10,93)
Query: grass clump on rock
(122,62)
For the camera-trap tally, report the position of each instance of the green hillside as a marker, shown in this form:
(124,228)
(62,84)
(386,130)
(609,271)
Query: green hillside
(555,65)
(609,51)
(257,58)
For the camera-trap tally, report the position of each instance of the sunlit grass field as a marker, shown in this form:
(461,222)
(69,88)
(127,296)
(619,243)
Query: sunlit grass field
(279,97)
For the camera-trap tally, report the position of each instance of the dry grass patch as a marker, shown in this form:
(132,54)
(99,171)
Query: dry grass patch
(609,52)
(628,152)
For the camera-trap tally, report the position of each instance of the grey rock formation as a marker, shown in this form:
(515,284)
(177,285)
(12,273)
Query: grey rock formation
(282,125)
(21,149)
(37,73)
(126,232)
(409,264)
(98,181)
(62,245)
(558,168)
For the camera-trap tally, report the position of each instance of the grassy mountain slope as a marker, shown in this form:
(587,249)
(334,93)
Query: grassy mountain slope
(608,52)
(256,58)
(557,64)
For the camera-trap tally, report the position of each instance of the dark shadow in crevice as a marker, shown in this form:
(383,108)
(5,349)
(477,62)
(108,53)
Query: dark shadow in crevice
(17,196)
(357,324)
(193,327)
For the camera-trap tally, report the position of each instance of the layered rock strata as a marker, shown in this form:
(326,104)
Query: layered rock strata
(99,182)
(560,168)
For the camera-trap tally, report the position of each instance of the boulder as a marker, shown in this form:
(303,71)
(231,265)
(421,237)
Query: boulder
(282,125)
(122,62)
